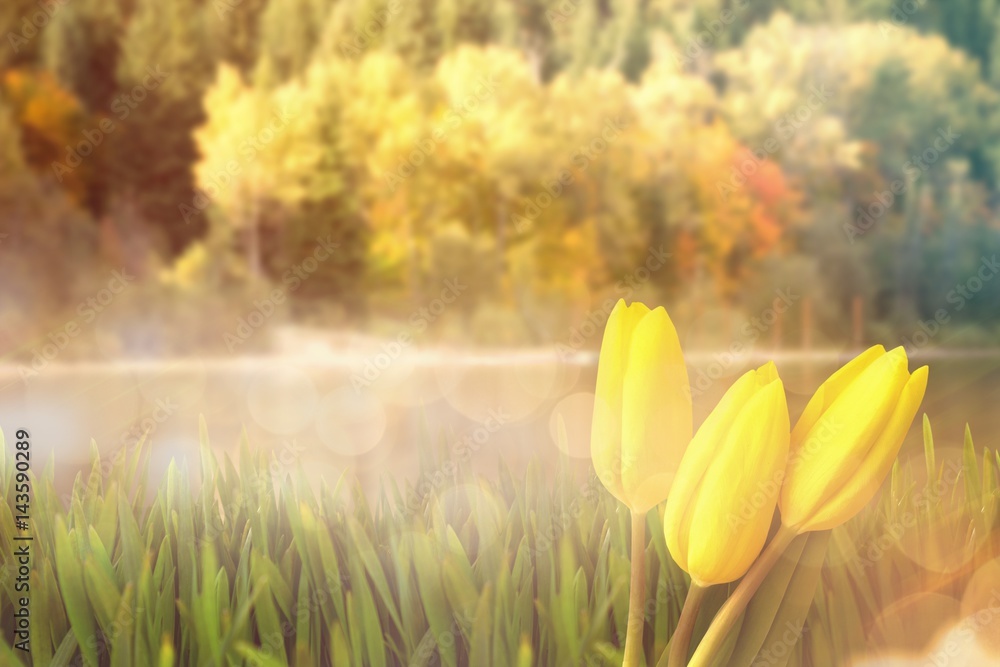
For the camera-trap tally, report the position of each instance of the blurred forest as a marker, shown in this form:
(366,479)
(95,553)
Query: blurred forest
(548,155)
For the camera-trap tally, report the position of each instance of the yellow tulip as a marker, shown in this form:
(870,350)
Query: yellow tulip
(848,437)
(723,499)
(642,411)
(840,452)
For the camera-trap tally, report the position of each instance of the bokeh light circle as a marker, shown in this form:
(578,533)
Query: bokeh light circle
(282,399)
(351,423)
(577,413)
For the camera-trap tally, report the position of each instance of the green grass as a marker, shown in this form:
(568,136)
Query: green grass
(523,569)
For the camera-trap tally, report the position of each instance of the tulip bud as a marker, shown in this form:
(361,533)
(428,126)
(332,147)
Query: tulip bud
(847,438)
(642,408)
(723,498)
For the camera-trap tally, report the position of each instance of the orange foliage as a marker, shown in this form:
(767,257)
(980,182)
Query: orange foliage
(774,200)
(50,119)
(745,204)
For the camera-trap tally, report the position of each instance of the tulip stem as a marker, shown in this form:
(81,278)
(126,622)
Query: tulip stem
(634,655)
(707,651)
(681,641)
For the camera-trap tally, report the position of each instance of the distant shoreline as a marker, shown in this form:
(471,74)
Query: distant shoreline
(470,357)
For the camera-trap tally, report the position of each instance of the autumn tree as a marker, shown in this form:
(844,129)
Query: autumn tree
(164,67)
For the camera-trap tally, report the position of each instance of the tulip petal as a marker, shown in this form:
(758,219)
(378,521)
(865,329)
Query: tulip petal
(766,374)
(862,486)
(606,431)
(737,497)
(656,411)
(722,502)
(831,451)
(831,389)
(695,462)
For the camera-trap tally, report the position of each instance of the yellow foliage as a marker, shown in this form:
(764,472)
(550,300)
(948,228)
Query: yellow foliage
(189,270)
(549,180)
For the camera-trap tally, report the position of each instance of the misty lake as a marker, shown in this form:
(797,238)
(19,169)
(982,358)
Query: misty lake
(319,409)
